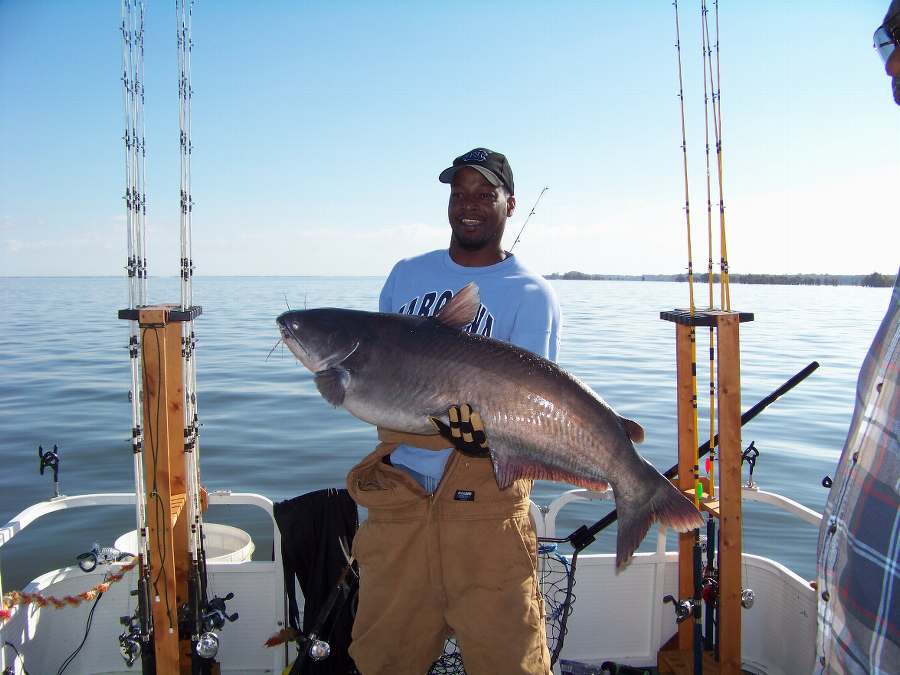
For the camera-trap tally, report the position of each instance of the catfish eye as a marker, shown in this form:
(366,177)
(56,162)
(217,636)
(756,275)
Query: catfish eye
(295,325)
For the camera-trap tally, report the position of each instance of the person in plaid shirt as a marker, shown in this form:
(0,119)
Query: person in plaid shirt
(858,571)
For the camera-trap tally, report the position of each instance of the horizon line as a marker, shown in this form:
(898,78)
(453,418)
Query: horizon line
(377,276)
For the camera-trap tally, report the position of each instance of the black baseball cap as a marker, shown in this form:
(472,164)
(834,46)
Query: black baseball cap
(492,165)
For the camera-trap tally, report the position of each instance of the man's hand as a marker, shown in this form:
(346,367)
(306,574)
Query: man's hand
(466,431)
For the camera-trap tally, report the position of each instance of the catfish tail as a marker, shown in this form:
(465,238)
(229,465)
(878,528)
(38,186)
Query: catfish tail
(662,503)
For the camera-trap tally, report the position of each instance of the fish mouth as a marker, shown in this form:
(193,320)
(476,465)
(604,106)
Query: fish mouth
(294,344)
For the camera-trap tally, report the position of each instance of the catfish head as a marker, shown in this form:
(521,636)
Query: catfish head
(321,338)
(324,338)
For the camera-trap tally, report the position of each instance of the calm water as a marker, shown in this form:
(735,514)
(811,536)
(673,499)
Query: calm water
(64,379)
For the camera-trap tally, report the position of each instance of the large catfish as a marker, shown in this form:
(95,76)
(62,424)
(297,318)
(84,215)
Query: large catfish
(395,371)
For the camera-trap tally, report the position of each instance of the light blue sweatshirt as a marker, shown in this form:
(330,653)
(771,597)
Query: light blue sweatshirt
(517,306)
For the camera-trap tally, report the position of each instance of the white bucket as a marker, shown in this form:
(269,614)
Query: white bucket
(223,543)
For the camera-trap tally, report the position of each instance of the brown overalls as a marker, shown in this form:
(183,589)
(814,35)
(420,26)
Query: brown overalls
(462,561)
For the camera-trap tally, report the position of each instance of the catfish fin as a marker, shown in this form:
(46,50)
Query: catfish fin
(332,384)
(339,358)
(462,308)
(634,430)
(657,501)
(508,468)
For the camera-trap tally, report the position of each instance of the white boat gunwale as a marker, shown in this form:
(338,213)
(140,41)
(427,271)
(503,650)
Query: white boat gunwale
(650,575)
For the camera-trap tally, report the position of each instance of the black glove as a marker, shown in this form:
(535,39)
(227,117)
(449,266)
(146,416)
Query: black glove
(466,431)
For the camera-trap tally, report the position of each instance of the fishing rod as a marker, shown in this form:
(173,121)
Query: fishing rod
(717,127)
(698,486)
(710,587)
(528,218)
(140,193)
(138,637)
(706,53)
(202,615)
(583,536)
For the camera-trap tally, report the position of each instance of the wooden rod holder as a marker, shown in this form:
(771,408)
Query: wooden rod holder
(730,524)
(165,481)
(727,504)
(687,445)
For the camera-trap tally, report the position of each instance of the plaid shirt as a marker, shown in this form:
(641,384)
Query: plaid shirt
(859,542)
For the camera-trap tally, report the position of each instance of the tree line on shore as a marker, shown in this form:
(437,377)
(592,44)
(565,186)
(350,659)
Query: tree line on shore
(874,279)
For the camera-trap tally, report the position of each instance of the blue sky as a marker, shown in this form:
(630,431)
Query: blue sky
(319,129)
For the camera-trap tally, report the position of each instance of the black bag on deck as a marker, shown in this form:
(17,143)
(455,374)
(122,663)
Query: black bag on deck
(312,526)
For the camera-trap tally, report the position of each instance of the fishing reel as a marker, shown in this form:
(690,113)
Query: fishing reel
(684,609)
(212,618)
(130,639)
(316,649)
(50,460)
(709,589)
(106,555)
(750,456)
(214,615)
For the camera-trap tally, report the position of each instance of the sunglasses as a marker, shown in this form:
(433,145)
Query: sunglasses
(886,38)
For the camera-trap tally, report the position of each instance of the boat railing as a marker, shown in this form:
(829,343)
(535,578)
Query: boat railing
(783,598)
(545,517)
(258,588)
(216,498)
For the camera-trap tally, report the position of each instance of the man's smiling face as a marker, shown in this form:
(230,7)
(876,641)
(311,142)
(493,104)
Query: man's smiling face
(477,210)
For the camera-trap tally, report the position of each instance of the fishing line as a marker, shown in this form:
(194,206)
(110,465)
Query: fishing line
(528,218)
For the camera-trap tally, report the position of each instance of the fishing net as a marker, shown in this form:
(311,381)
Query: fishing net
(557,578)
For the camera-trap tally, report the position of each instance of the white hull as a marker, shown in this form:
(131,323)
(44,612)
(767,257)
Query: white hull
(617,617)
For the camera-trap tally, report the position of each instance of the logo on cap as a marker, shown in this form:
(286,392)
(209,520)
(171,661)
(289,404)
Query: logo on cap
(478,155)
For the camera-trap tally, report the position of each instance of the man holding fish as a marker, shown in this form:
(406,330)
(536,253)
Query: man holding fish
(448,546)
(444,550)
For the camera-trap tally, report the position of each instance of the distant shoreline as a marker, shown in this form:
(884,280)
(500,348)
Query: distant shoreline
(873,280)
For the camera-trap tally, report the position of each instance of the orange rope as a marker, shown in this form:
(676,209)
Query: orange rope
(18,599)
